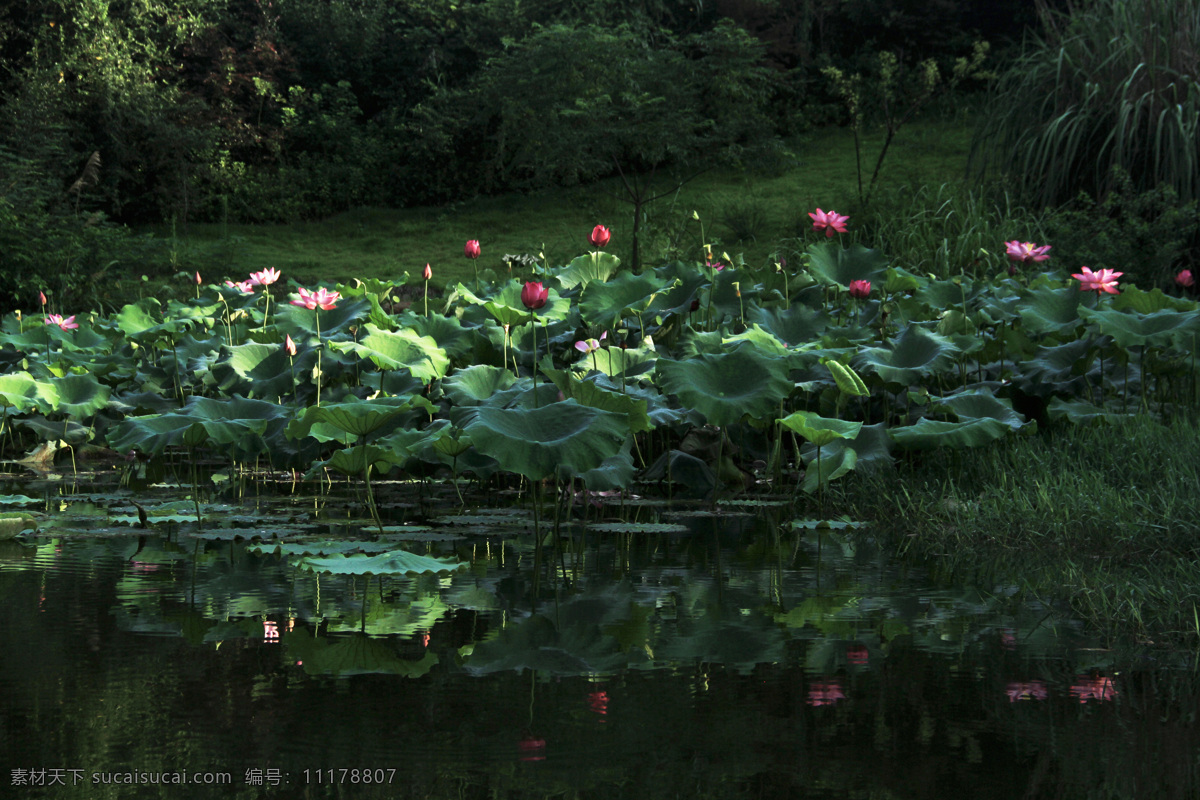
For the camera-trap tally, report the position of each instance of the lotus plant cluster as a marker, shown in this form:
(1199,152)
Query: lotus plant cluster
(596,376)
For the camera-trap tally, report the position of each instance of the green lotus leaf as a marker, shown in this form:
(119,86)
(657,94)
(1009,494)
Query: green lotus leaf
(916,352)
(1048,310)
(152,434)
(242,427)
(508,309)
(948,294)
(402,349)
(979,404)
(359,418)
(1135,299)
(846,379)
(794,326)
(477,384)
(564,438)
(20,392)
(725,388)
(606,303)
(830,263)
(81,396)
(48,430)
(829,466)
(588,393)
(297,321)
(613,361)
(615,472)
(1081,412)
(407,443)
(1157,329)
(396,562)
(354,461)
(260,370)
(900,280)
(764,341)
(451,335)
(928,433)
(584,269)
(820,430)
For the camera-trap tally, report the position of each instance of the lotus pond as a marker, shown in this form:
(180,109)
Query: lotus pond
(561,537)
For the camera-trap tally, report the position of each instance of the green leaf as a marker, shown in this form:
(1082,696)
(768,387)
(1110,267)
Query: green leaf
(820,430)
(477,384)
(916,352)
(928,434)
(829,467)
(582,270)
(1157,329)
(19,391)
(402,349)
(606,303)
(829,263)
(846,379)
(725,388)
(564,438)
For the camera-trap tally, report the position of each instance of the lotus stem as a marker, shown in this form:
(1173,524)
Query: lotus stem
(317,315)
(533,321)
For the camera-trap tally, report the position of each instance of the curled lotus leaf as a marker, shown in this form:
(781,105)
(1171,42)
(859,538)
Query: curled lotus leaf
(820,430)
(477,384)
(829,262)
(588,268)
(916,352)
(1156,329)
(19,391)
(403,349)
(929,433)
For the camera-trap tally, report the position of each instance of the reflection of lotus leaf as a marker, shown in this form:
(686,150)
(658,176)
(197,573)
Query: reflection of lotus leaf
(638,527)
(352,654)
(397,562)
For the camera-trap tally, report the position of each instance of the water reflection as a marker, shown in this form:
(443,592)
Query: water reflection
(711,658)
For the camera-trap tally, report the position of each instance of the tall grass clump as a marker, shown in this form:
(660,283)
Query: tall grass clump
(1109,83)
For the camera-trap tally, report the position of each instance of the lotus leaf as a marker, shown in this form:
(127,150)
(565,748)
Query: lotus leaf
(915,352)
(1157,329)
(725,388)
(477,384)
(820,430)
(585,269)
(928,434)
(830,263)
(606,303)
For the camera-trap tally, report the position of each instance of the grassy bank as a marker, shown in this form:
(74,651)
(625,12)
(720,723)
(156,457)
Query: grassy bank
(1106,517)
(751,214)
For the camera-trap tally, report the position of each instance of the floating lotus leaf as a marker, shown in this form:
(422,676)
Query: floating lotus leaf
(820,430)
(583,270)
(829,263)
(402,349)
(725,388)
(397,562)
(605,303)
(914,353)
(565,437)
(1157,329)
(323,547)
(928,434)
(477,384)
(80,396)
(639,527)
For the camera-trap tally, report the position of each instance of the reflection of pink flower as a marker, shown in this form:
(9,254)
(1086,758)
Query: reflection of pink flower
(270,631)
(824,693)
(1026,252)
(598,702)
(1099,689)
(66,324)
(830,221)
(532,749)
(320,298)
(1026,690)
(1104,280)
(857,654)
(1007,639)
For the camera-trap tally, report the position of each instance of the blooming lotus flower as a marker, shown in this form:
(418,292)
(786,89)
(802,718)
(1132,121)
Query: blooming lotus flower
(1026,252)
(1100,689)
(1104,280)
(245,287)
(716,266)
(824,693)
(1026,690)
(471,249)
(600,236)
(860,289)
(318,299)
(264,278)
(590,345)
(1185,279)
(66,324)
(289,346)
(534,296)
(831,221)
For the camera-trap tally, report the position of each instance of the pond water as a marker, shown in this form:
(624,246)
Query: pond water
(697,654)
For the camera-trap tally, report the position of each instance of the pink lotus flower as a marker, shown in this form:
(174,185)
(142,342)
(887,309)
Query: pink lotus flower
(428,273)
(831,221)
(245,287)
(600,236)
(264,278)
(198,280)
(824,693)
(1026,690)
(1185,279)
(1026,252)
(42,297)
(590,345)
(860,289)
(471,249)
(716,266)
(289,346)
(1104,280)
(1099,689)
(318,299)
(534,296)
(66,324)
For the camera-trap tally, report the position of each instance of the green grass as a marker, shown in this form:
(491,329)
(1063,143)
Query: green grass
(1107,517)
(385,243)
